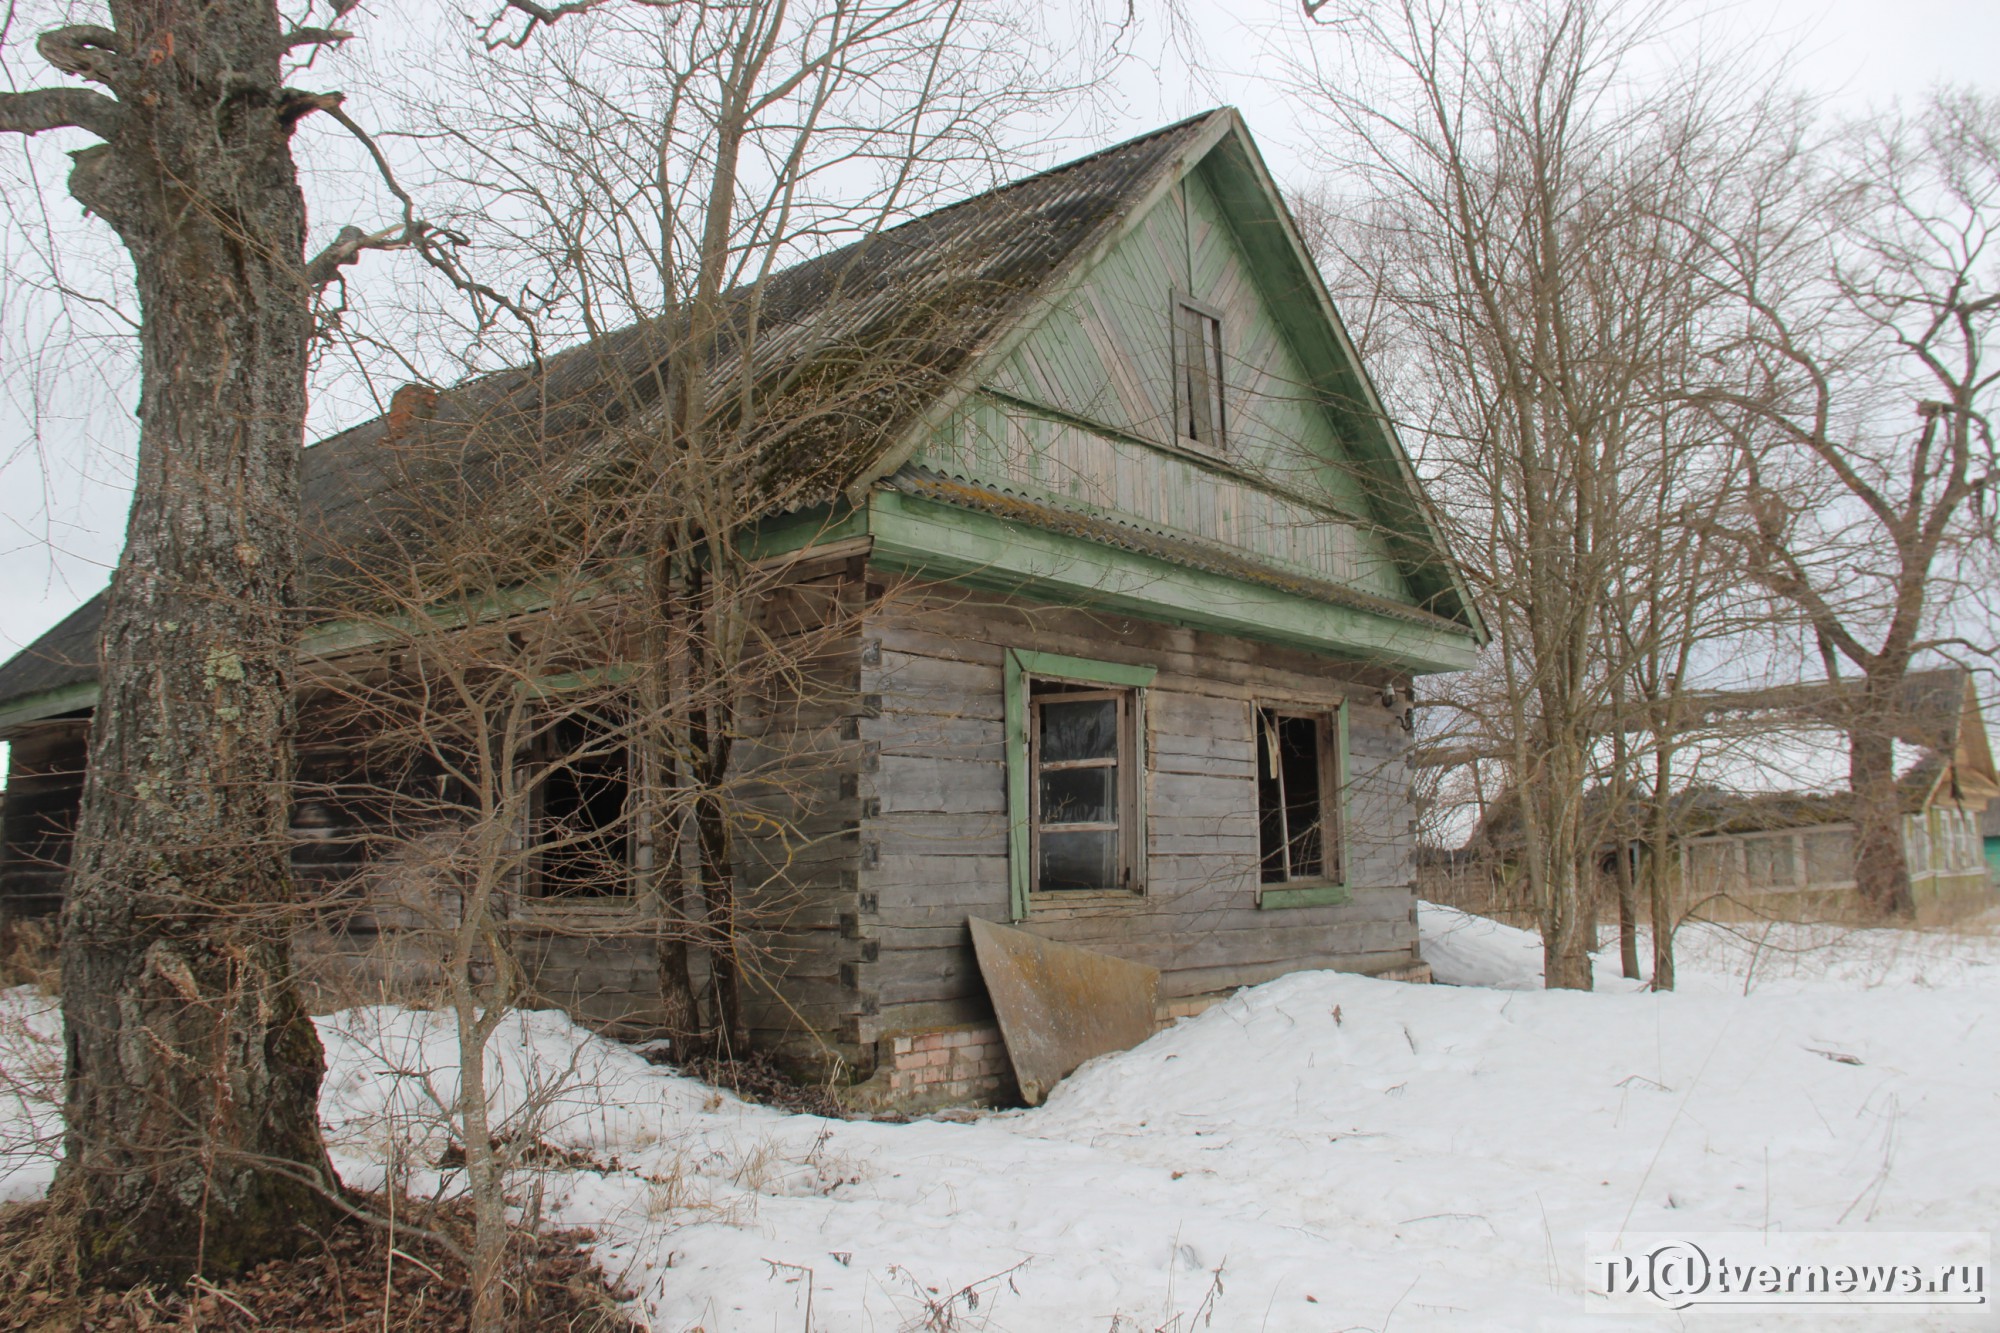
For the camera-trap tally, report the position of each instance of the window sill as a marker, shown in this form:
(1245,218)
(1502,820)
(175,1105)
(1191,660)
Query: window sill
(1056,906)
(1303,895)
(610,906)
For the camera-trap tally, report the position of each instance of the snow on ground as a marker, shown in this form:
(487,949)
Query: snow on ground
(1344,1153)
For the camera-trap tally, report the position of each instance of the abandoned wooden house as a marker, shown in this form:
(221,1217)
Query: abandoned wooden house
(1134,592)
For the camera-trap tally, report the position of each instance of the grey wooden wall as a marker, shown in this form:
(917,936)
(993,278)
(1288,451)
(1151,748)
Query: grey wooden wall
(932,834)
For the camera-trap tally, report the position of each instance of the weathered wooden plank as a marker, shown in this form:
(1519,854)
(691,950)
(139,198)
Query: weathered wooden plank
(927,975)
(1208,980)
(907,784)
(1189,662)
(915,833)
(931,735)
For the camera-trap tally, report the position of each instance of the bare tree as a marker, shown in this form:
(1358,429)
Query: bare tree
(1521,237)
(672,164)
(1859,391)
(193,1070)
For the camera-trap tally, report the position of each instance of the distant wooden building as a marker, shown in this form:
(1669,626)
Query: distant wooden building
(1133,606)
(1793,854)
(1778,853)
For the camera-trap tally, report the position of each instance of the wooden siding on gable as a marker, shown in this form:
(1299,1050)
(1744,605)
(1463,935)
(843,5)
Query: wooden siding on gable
(1023,450)
(1082,412)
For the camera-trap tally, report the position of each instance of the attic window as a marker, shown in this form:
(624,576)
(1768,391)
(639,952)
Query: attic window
(1198,375)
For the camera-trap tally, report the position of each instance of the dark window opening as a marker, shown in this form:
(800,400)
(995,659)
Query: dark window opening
(1198,353)
(581,828)
(1078,742)
(1296,783)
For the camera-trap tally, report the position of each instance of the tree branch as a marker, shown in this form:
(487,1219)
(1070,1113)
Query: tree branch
(57,109)
(348,246)
(412,234)
(539,16)
(85,50)
(298,37)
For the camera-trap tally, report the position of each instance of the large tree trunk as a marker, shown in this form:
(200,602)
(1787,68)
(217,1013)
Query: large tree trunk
(1660,868)
(1551,803)
(193,1070)
(1881,875)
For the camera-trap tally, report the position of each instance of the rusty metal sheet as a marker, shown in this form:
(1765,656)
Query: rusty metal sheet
(1059,1005)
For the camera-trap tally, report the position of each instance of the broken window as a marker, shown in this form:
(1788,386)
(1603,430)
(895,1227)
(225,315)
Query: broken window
(1198,375)
(581,828)
(1079,754)
(1298,784)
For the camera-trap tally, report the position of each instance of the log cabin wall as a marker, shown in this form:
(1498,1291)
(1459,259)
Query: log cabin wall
(38,815)
(799,760)
(933,837)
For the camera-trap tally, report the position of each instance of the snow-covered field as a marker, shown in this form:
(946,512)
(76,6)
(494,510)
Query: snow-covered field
(1326,1152)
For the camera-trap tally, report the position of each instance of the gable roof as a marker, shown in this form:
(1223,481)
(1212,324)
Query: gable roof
(930,302)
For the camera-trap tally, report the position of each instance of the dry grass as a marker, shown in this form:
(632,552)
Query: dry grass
(358,1277)
(28,954)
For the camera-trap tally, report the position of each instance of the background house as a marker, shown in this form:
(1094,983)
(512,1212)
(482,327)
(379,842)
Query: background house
(1114,618)
(1763,826)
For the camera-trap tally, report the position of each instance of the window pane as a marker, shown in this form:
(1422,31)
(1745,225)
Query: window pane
(1211,360)
(1197,353)
(1080,860)
(1087,729)
(1270,803)
(1711,865)
(582,825)
(1768,861)
(1080,796)
(1830,857)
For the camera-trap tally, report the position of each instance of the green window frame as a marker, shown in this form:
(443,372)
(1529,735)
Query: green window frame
(1331,887)
(1021,668)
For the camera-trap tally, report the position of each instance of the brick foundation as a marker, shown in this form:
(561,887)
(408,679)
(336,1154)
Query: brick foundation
(967,1064)
(956,1064)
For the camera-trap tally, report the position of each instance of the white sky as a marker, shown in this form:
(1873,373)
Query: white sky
(63,489)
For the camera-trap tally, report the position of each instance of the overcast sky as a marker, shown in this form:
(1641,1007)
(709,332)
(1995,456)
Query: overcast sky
(63,485)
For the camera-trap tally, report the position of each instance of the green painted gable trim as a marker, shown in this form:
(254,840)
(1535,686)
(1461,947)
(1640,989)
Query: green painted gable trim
(946,541)
(1298,300)
(1060,284)
(1227,163)
(48,704)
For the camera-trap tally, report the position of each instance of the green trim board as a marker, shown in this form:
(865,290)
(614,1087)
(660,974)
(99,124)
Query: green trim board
(49,703)
(948,541)
(1324,895)
(820,526)
(1018,665)
(1315,895)
(549,687)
